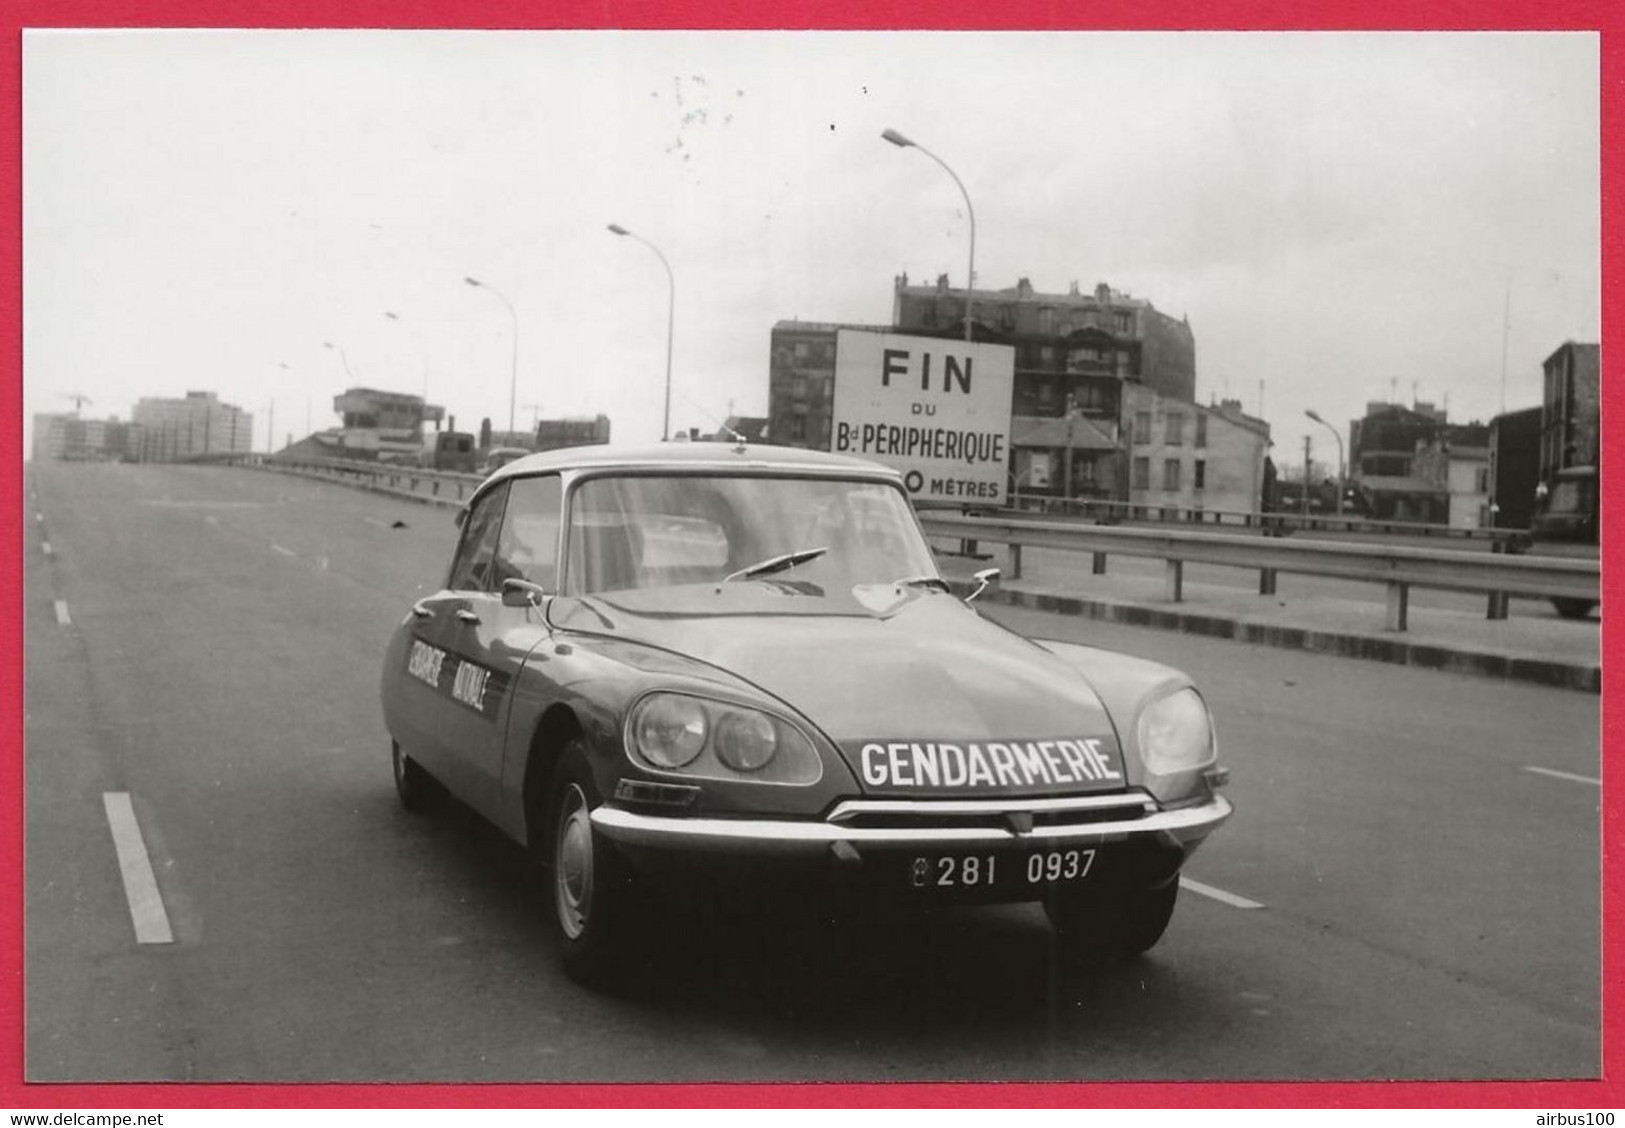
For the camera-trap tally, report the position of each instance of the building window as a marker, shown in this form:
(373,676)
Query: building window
(1123,322)
(1170,473)
(1201,431)
(798,386)
(1176,428)
(1199,474)
(1142,430)
(801,350)
(1142,473)
(1483,480)
(798,428)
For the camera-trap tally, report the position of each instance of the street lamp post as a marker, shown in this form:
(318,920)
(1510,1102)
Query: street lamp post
(671,318)
(513,377)
(1341,484)
(902,142)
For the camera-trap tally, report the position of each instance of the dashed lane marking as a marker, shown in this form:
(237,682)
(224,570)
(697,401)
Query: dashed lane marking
(46,545)
(1555,774)
(1220,895)
(140,887)
(283,551)
(62,619)
(379,521)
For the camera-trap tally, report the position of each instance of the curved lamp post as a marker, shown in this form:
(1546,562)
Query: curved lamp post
(1341,484)
(671,316)
(902,142)
(513,373)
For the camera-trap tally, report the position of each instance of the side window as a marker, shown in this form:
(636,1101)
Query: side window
(471,568)
(528,548)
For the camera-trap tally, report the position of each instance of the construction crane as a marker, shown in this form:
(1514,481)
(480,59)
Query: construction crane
(79,400)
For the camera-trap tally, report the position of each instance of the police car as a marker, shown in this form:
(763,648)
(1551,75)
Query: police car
(650,664)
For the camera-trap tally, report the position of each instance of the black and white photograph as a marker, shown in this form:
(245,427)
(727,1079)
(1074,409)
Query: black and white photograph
(575,557)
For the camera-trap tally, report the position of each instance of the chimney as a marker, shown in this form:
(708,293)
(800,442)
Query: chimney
(1024,288)
(942,283)
(1103,293)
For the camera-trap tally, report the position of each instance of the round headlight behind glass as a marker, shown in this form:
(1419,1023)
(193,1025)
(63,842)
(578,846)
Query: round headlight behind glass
(746,741)
(1175,733)
(669,730)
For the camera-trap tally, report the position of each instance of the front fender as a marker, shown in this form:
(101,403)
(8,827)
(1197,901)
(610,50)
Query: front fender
(1126,685)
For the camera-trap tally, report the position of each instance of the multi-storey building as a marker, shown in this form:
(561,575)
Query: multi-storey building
(1188,456)
(174,429)
(801,381)
(1569,416)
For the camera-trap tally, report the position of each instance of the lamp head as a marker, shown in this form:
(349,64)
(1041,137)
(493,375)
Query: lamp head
(618,229)
(896,138)
(1315,416)
(472,281)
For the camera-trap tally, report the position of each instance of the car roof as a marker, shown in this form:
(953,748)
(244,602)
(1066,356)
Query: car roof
(692,457)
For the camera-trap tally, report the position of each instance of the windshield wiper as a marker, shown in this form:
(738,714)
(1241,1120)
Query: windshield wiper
(923,581)
(776,564)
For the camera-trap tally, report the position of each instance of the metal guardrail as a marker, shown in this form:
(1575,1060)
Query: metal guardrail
(1398,568)
(1286,520)
(442,487)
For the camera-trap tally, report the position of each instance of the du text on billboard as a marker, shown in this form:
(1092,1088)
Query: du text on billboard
(937,410)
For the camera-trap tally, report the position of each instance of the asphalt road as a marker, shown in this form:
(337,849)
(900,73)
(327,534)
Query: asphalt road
(1422,850)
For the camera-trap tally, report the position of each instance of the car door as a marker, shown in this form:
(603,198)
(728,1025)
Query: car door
(486,643)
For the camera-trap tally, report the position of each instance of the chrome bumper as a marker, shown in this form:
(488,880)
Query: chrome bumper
(1184,827)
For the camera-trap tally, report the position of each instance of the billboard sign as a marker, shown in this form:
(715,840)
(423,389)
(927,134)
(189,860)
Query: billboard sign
(937,410)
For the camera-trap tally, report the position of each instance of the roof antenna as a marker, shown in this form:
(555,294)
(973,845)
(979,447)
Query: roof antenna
(722,428)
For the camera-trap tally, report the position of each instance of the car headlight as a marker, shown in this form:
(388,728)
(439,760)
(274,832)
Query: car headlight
(746,741)
(705,738)
(669,730)
(1176,733)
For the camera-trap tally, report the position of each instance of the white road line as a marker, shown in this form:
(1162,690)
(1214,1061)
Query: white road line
(1230,899)
(46,545)
(39,516)
(382,524)
(140,887)
(62,619)
(283,551)
(1564,775)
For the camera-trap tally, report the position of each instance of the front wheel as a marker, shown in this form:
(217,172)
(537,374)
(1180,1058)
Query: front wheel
(1098,931)
(417,790)
(592,888)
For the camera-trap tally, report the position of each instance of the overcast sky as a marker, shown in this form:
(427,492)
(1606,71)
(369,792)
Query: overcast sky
(1342,217)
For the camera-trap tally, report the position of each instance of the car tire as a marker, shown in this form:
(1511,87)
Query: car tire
(418,791)
(1100,931)
(1571,608)
(591,886)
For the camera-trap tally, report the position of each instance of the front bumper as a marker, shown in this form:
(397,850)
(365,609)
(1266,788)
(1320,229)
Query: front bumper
(859,827)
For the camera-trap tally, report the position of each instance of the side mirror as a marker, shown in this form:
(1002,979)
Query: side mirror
(985,579)
(522,593)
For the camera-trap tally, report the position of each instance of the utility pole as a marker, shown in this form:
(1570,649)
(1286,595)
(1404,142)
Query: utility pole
(1306,475)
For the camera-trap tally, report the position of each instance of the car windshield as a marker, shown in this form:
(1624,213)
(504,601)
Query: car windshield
(650,531)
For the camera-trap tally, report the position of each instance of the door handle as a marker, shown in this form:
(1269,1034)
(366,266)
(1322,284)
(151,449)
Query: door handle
(464,615)
(421,611)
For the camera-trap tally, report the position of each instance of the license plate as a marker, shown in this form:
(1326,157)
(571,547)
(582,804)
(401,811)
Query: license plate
(1003,870)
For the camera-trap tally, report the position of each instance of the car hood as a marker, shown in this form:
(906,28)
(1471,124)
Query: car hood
(917,690)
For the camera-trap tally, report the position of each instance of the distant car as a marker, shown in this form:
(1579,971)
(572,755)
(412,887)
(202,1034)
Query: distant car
(1565,524)
(498,457)
(703,660)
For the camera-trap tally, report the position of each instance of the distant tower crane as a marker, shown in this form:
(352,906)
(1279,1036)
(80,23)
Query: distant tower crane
(79,400)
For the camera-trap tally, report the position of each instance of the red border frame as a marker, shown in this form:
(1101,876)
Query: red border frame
(1601,16)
